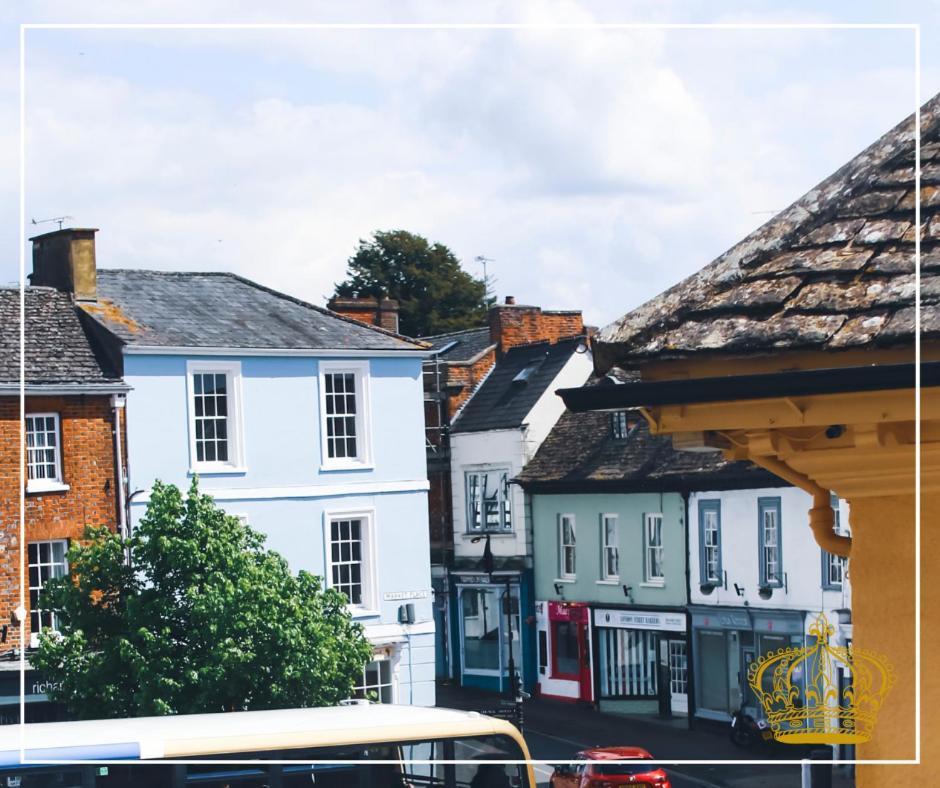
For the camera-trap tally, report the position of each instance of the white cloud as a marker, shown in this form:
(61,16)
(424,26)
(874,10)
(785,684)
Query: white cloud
(595,167)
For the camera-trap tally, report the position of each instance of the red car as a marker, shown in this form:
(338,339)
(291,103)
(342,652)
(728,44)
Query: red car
(629,771)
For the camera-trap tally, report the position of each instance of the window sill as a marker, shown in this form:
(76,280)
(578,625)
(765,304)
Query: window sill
(361,612)
(567,580)
(467,537)
(613,581)
(347,466)
(38,488)
(219,470)
(653,584)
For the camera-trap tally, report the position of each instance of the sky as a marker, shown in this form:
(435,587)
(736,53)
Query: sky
(592,167)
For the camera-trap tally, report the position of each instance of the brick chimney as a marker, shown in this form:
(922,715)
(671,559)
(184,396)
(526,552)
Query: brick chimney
(367,309)
(65,260)
(514,324)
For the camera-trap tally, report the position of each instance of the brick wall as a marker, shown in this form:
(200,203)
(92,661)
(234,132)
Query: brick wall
(468,376)
(86,426)
(512,325)
(369,310)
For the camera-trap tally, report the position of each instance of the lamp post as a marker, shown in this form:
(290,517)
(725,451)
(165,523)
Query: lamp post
(487,564)
(513,693)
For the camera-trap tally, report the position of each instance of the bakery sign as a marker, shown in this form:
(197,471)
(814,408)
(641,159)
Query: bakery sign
(640,619)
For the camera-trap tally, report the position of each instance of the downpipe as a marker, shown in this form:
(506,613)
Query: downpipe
(821,517)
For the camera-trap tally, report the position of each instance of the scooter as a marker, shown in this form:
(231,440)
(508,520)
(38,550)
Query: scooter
(747,731)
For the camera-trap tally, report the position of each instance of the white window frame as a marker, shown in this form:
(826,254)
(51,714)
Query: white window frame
(392,684)
(649,578)
(47,485)
(34,633)
(370,602)
(564,547)
(607,547)
(504,500)
(361,373)
(234,418)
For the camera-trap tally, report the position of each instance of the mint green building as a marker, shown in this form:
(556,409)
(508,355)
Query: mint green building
(607,510)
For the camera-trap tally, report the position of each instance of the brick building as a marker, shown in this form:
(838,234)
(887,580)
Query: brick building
(69,471)
(462,361)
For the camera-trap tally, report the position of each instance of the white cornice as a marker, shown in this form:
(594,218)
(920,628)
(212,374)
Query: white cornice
(307,491)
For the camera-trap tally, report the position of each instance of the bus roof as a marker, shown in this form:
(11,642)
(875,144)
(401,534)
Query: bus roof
(191,735)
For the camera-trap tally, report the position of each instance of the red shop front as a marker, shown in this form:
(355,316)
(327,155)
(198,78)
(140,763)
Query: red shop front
(567,638)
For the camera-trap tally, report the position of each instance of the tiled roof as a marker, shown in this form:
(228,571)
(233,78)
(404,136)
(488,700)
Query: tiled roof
(581,454)
(463,345)
(513,386)
(833,271)
(57,349)
(178,309)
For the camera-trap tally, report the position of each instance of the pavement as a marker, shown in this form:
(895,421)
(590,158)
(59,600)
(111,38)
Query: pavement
(555,731)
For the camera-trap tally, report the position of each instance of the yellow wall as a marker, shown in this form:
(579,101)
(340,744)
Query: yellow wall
(883,621)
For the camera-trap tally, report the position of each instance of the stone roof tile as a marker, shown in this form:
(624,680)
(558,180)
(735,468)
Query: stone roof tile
(850,244)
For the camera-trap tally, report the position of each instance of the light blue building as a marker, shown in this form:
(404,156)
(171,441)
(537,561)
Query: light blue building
(307,424)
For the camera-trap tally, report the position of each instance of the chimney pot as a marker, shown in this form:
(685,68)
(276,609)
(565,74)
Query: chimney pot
(510,300)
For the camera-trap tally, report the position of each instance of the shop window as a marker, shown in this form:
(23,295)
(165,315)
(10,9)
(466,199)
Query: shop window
(628,664)
(543,651)
(481,622)
(567,653)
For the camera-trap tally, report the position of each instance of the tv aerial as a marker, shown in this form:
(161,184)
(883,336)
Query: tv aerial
(59,219)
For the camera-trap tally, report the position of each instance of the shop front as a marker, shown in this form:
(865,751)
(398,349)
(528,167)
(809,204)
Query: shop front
(726,642)
(490,626)
(564,631)
(642,660)
(37,704)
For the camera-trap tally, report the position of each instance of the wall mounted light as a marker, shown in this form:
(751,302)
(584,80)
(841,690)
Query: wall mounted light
(628,593)
(739,590)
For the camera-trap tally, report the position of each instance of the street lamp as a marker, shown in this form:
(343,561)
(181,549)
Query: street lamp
(487,565)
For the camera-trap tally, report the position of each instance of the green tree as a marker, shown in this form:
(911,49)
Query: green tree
(206,619)
(434,293)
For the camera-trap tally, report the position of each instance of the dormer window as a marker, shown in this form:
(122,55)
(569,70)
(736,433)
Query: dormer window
(619,424)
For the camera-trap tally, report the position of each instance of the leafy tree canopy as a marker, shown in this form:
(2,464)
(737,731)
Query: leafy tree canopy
(434,293)
(205,620)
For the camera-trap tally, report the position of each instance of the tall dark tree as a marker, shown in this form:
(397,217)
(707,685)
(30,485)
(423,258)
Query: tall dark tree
(434,293)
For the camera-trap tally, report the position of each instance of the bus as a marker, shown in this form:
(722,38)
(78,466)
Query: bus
(351,746)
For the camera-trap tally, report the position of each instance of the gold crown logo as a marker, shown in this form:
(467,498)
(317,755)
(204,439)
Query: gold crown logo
(803,700)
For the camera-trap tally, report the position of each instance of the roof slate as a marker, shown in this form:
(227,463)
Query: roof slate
(466,345)
(833,271)
(501,403)
(57,349)
(581,454)
(181,309)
